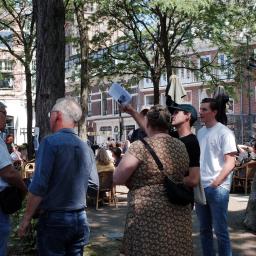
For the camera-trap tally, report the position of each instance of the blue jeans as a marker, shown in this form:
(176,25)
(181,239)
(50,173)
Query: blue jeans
(214,215)
(62,233)
(4,232)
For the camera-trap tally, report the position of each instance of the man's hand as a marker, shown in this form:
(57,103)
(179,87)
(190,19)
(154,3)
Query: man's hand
(215,183)
(31,208)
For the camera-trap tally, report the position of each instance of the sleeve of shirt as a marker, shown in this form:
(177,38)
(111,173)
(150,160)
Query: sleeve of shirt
(137,149)
(44,166)
(228,143)
(5,158)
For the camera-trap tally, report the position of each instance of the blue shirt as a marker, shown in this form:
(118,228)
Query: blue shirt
(65,166)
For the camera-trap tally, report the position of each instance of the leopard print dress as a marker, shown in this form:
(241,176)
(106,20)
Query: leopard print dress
(154,226)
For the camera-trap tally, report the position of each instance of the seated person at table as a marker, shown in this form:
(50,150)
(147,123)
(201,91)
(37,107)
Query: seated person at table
(103,161)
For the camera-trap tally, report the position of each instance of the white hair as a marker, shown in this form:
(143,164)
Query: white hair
(69,107)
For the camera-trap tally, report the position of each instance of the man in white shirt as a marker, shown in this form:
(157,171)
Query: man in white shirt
(217,160)
(8,176)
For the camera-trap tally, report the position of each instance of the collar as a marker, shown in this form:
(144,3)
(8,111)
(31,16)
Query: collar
(67,130)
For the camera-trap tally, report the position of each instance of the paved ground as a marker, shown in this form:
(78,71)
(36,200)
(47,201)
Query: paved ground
(107,226)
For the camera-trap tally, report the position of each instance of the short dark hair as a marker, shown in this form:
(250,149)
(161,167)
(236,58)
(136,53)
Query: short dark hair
(218,104)
(213,103)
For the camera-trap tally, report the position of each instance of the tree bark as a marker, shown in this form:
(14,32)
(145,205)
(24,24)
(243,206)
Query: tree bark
(84,72)
(250,215)
(50,59)
(29,110)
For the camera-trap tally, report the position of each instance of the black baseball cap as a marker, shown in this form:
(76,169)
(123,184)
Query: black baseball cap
(187,108)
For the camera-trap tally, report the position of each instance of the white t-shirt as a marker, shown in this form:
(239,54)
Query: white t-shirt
(5,160)
(214,143)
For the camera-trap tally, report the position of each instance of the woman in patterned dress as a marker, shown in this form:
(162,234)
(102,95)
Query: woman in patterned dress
(154,226)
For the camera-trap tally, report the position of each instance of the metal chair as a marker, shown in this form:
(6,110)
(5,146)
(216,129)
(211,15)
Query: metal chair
(106,185)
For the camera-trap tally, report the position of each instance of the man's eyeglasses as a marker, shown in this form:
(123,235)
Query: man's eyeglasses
(49,113)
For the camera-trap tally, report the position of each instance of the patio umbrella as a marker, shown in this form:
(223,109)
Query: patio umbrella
(176,91)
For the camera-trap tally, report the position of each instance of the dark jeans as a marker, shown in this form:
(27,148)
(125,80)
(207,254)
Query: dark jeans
(211,216)
(62,233)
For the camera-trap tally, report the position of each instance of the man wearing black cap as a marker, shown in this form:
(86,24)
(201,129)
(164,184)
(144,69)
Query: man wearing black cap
(183,117)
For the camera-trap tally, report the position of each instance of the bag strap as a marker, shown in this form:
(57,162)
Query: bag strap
(153,153)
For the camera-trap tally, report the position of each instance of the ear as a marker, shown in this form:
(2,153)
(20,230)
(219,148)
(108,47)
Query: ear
(215,112)
(189,116)
(59,116)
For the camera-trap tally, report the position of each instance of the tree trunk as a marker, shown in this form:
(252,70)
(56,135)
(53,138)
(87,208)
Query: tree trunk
(50,59)
(84,72)
(156,90)
(29,111)
(250,215)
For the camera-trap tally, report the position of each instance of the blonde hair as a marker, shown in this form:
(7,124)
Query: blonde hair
(102,156)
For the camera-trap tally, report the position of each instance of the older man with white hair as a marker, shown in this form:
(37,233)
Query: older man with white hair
(65,166)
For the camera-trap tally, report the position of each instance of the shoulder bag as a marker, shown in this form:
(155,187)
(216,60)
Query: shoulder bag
(177,193)
(199,195)
(11,200)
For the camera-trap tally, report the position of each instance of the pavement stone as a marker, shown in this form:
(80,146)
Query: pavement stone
(107,225)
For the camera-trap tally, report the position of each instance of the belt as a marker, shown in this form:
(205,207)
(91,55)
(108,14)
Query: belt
(44,212)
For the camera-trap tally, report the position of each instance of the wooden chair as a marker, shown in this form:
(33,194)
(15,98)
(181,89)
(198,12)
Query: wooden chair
(106,185)
(243,176)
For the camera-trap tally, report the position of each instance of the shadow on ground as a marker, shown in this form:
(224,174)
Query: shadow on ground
(107,226)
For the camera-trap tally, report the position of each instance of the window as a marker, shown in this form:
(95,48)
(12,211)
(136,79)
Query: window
(105,128)
(204,63)
(225,66)
(7,35)
(6,65)
(9,128)
(104,104)
(90,7)
(230,106)
(204,60)
(115,107)
(6,81)
(89,105)
(149,100)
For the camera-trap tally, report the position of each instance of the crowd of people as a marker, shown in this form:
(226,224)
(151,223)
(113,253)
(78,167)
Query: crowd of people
(66,168)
